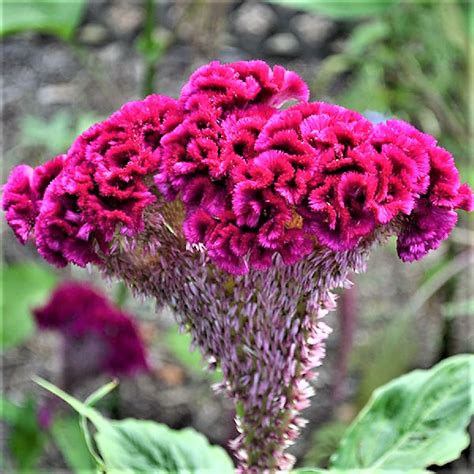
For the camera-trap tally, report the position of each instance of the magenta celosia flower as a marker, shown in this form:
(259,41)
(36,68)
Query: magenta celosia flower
(427,175)
(23,193)
(315,152)
(102,189)
(428,226)
(86,319)
(241,84)
(242,217)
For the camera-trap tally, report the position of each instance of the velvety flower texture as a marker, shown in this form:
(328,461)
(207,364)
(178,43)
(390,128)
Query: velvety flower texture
(255,182)
(242,217)
(23,194)
(428,173)
(107,337)
(102,188)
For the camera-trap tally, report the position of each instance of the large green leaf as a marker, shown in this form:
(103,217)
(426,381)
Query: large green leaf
(345,9)
(310,470)
(55,17)
(131,446)
(139,446)
(24,286)
(26,440)
(68,437)
(415,421)
(324,442)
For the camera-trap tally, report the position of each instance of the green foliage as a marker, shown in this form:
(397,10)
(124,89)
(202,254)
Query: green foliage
(324,442)
(55,17)
(415,421)
(179,345)
(24,286)
(151,47)
(26,440)
(458,308)
(68,437)
(145,446)
(348,9)
(8,410)
(133,446)
(306,470)
(56,134)
(380,360)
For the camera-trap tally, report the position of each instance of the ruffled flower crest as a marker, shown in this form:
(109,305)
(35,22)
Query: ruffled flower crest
(242,217)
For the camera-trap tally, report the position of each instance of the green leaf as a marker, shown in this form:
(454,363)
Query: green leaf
(144,446)
(324,442)
(179,345)
(458,308)
(25,286)
(55,17)
(56,134)
(9,411)
(310,470)
(68,437)
(414,421)
(138,446)
(26,440)
(348,9)
(366,35)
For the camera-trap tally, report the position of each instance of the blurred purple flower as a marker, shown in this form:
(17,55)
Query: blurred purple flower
(98,337)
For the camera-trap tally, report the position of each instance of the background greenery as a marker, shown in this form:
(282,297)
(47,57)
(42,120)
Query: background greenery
(68,64)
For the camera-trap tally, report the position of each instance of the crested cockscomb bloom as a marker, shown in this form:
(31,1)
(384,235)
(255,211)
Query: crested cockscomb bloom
(243,217)
(427,175)
(109,337)
(103,188)
(240,84)
(23,193)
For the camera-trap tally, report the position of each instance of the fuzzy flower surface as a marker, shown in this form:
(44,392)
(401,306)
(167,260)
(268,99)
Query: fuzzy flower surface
(242,217)
(255,181)
(24,192)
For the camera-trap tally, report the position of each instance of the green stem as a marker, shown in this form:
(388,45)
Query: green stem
(121,294)
(150,66)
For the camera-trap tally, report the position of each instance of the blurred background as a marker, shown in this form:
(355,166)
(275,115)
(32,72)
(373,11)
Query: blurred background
(67,64)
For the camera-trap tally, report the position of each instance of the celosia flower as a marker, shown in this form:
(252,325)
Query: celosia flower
(240,84)
(242,218)
(427,175)
(23,193)
(428,226)
(86,319)
(102,189)
(19,202)
(329,179)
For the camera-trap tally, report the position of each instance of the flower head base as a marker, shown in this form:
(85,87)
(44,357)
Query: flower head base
(242,217)
(86,319)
